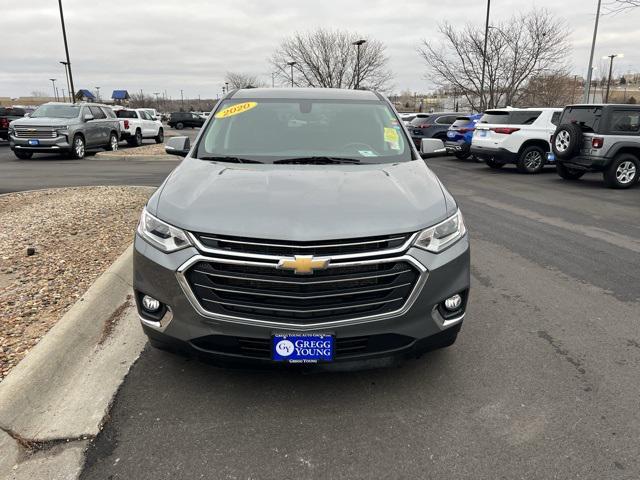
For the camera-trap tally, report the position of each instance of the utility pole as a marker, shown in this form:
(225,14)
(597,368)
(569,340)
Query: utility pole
(227,85)
(587,85)
(273,79)
(358,43)
(64,96)
(182,99)
(66,49)
(291,64)
(98,93)
(610,57)
(484,56)
(66,72)
(53,82)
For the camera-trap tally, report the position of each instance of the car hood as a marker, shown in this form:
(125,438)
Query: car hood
(301,202)
(43,121)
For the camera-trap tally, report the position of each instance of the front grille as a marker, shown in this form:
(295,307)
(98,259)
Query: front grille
(269,294)
(261,347)
(321,248)
(35,132)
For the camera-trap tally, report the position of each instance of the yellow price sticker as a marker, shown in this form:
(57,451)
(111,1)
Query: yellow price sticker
(391,135)
(236,109)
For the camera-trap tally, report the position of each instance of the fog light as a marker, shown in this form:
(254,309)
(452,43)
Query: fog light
(150,304)
(453,303)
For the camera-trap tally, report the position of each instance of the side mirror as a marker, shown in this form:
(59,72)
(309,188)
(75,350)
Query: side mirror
(88,117)
(431,147)
(178,146)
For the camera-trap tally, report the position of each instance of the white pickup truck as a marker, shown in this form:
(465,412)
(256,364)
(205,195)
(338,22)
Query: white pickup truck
(138,124)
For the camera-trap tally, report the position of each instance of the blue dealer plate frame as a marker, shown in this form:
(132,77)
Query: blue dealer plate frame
(302,347)
(34,142)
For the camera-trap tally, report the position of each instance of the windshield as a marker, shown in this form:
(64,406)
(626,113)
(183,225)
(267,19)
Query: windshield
(270,130)
(57,111)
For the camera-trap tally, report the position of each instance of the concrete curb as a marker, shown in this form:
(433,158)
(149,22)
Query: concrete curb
(58,396)
(156,158)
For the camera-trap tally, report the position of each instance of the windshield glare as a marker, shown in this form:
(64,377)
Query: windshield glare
(57,111)
(277,129)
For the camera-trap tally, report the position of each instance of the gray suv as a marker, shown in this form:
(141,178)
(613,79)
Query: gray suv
(65,128)
(599,138)
(302,227)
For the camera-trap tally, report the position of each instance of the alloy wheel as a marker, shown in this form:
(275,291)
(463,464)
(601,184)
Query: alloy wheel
(626,172)
(562,141)
(533,160)
(79,147)
(114,143)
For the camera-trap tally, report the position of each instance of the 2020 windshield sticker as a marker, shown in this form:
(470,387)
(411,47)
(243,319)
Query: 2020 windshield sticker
(236,109)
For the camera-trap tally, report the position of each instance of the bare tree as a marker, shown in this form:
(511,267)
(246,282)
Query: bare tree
(243,80)
(527,45)
(551,90)
(325,58)
(616,6)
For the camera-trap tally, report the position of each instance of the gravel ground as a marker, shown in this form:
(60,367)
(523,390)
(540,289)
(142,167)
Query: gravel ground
(75,234)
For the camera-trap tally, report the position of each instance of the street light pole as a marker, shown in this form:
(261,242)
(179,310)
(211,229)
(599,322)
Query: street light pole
(587,85)
(610,57)
(66,73)
(98,93)
(358,43)
(182,99)
(291,64)
(66,49)
(484,56)
(53,82)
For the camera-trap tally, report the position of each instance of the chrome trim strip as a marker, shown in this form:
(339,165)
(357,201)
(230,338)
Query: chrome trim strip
(313,282)
(307,297)
(422,279)
(162,324)
(301,246)
(276,258)
(293,310)
(452,321)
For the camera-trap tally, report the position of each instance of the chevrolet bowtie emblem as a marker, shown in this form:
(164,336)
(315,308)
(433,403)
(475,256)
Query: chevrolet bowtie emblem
(303,264)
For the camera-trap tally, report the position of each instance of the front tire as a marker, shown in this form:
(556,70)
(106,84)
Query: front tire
(531,160)
(23,155)
(78,150)
(179,126)
(568,173)
(462,155)
(623,172)
(160,137)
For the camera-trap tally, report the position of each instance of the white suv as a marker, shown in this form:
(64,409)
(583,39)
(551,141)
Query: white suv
(515,135)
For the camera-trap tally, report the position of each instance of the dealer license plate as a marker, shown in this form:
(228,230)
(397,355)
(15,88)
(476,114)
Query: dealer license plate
(551,157)
(482,133)
(302,348)
(34,142)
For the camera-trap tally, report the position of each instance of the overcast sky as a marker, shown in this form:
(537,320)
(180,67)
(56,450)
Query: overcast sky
(189,44)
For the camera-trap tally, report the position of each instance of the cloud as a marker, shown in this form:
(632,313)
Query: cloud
(190,44)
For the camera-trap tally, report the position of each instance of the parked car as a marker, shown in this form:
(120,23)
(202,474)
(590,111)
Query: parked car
(408,117)
(153,112)
(138,124)
(179,120)
(515,135)
(7,115)
(431,125)
(460,134)
(326,239)
(65,128)
(599,138)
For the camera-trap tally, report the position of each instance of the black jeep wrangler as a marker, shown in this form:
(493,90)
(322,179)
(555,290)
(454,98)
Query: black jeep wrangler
(599,138)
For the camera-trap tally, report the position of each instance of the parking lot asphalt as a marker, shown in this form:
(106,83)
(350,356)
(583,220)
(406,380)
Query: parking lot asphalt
(542,383)
(52,171)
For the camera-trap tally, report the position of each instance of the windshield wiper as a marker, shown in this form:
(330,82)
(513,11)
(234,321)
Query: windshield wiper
(229,159)
(318,160)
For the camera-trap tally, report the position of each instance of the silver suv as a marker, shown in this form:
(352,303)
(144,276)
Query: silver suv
(599,138)
(302,227)
(65,128)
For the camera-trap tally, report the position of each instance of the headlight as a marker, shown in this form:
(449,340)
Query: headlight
(443,235)
(160,234)
(62,130)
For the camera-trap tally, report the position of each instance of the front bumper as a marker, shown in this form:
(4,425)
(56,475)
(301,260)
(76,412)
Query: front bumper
(408,332)
(57,144)
(499,155)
